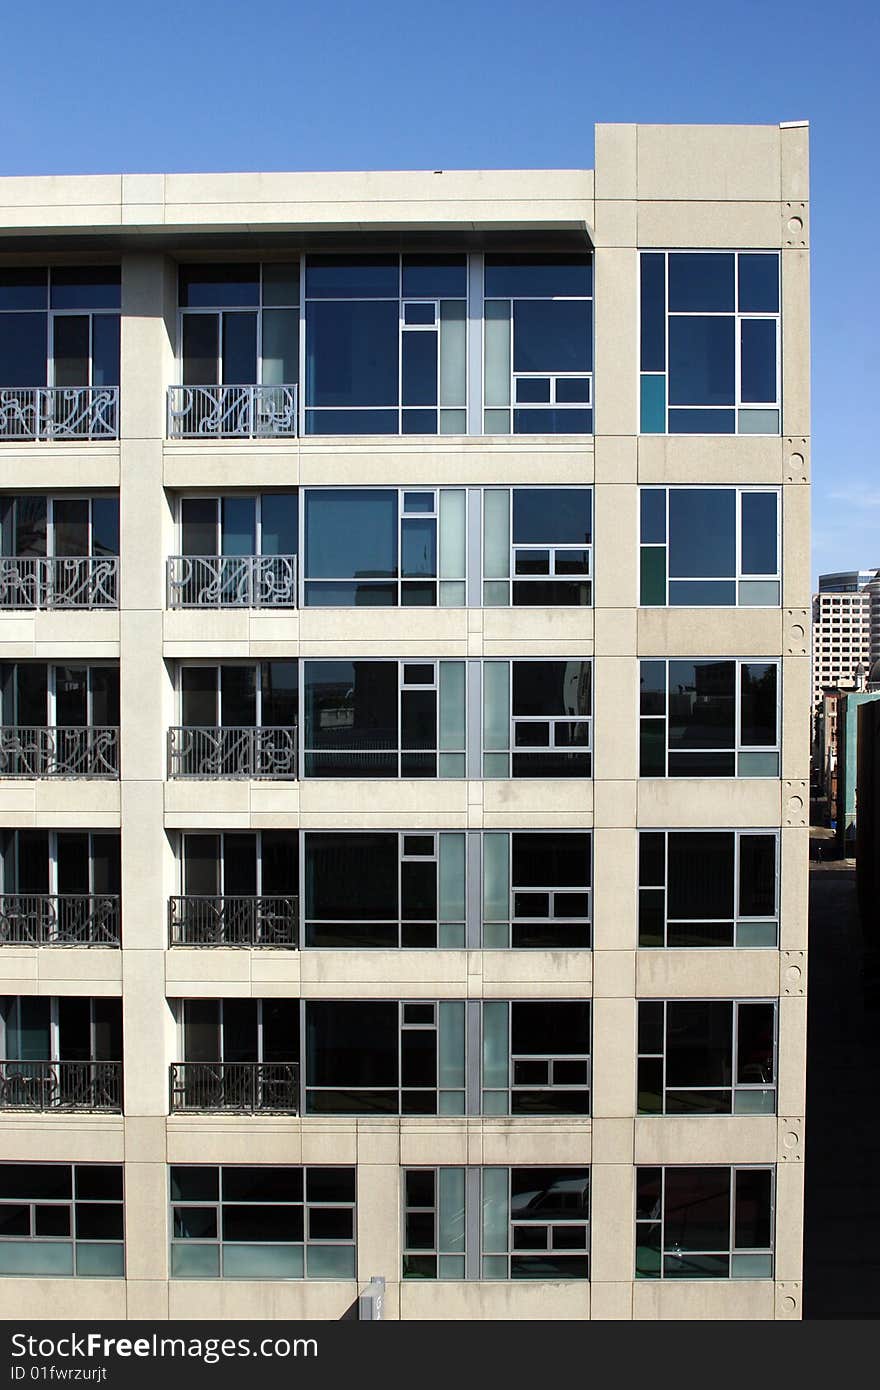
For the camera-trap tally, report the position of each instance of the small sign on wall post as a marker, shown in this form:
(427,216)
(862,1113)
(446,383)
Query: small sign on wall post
(372,1301)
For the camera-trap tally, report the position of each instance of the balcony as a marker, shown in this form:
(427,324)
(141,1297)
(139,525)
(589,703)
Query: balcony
(232,412)
(61,1086)
(216,752)
(30,413)
(59,919)
(80,750)
(233,921)
(244,1087)
(230,581)
(69,581)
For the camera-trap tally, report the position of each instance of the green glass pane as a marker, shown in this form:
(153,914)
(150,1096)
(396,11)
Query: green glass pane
(52,1258)
(495,1103)
(451,765)
(496,1047)
(496,765)
(496,936)
(262,1261)
(451,936)
(496,1210)
(453,593)
(452,705)
(653,412)
(100,1259)
(452,1102)
(450,1226)
(195,1261)
(496,593)
(758,421)
(653,575)
(761,1102)
(496,876)
(453,422)
(759,765)
(453,507)
(451,1047)
(330,1262)
(495,1267)
(453,352)
(751,1267)
(496,705)
(451,1266)
(496,422)
(756,934)
(652,748)
(452,876)
(759,593)
(496,389)
(496,533)
(280,347)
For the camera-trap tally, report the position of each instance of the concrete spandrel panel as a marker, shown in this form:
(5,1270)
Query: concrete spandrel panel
(709,162)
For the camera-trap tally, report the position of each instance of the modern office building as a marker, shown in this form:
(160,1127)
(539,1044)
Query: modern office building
(464,946)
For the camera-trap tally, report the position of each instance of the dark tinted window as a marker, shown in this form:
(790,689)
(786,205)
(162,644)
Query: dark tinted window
(702,358)
(700,875)
(218,286)
(86,287)
(697,1208)
(512,276)
(24,288)
(362,277)
(759,550)
(757,875)
(701,282)
(552,516)
(702,532)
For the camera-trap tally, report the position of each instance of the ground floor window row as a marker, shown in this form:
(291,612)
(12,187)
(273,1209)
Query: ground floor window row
(456,1223)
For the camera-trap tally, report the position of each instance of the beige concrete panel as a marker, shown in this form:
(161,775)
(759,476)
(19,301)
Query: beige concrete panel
(386,802)
(721,459)
(448,1300)
(53,1300)
(796,631)
(91,628)
(788,1261)
(146,1300)
(149,304)
(610,1302)
(614,1057)
(199,803)
(615,702)
(215,464)
(515,1141)
(144,692)
(238,1139)
(796,584)
(553,803)
(796,696)
(79,970)
(615,632)
(616,338)
(614,974)
(322,629)
(687,802)
(735,1300)
(796,342)
(145,1138)
(563,629)
(708,974)
(146,1220)
(687,1139)
(613,1141)
(727,225)
(66,801)
(434,1142)
(792,1053)
(616,160)
(616,804)
(60,191)
(794,887)
(60,465)
(616,556)
(616,224)
(378,1141)
(389,970)
(19,971)
(723,162)
(148,875)
(565,970)
(273,799)
(794,144)
(190,631)
(615,875)
(146,1015)
(259,1299)
(143,189)
(612,1232)
(275,969)
(185,968)
(790,1131)
(740,632)
(63,1138)
(617,459)
(378,1219)
(795,803)
(18,634)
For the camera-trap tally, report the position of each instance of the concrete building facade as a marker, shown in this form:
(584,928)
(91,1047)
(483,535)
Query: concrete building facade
(533,1046)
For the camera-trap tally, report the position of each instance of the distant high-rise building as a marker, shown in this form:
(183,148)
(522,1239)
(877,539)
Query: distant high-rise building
(846,629)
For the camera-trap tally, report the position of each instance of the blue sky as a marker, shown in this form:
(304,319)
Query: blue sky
(349,84)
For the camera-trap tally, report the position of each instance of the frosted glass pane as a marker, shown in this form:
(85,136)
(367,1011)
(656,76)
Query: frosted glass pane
(280,347)
(450,1267)
(756,934)
(495,1210)
(496,593)
(451,1223)
(104,1260)
(758,765)
(450,936)
(496,533)
(453,352)
(452,851)
(451,1049)
(495,1043)
(496,936)
(452,712)
(754,1103)
(453,593)
(451,765)
(496,705)
(262,1261)
(330,1262)
(495,1267)
(195,1261)
(453,422)
(452,1102)
(751,1267)
(760,593)
(497,379)
(452,533)
(495,1103)
(496,765)
(758,421)
(496,422)
(35,1257)
(496,877)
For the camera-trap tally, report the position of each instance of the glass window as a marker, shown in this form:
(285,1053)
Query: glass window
(707,1057)
(710,547)
(60,1219)
(536,1057)
(709,364)
(537,546)
(709,718)
(708,888)
(536,889)
(262,1222)
(551,705)
(704,1223)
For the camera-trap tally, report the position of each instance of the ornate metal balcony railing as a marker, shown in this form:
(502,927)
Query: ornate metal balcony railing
(59,919)
(69,581)
(232,581)
(195,920)
(246,1087)
(231,412)
(81,750)
(61,1086)
(261,752)
(59,412)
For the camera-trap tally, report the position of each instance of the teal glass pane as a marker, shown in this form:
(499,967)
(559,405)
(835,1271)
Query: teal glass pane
(495,1267)
(452,876)
(451,765)
(496,533)
(495,1103)
(496,1047)
(452,1102)
(496,936)
(451,936)
(496,422)
(450,1226)
(759,593)
(653,575)
(496,765)
(195,1261)
(451,1267)
(496,1210)
(453,352)
(751,1267)
(262,1261)
(496,876)
(330,1262)
(761,1102)
(452,705)
(453,422)
(652,748)
(758,421)
(280,347)
(759,765)
(100,1259)
(496,389)
(453,593)
(756,934)
(496,705)
(451,1046)
(452,533)
(653,403)
(52,1258)
(496,593)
